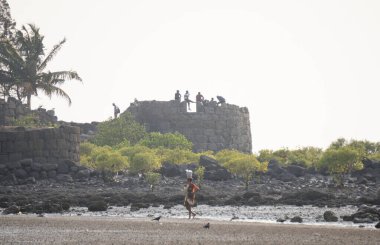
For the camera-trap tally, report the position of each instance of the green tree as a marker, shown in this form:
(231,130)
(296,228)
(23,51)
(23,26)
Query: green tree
(144,162)
(168,140)
(241,164)
(340,162)
(24,62)
(153,179)
(102,158)
(200,172)
(116,131)
(176,156)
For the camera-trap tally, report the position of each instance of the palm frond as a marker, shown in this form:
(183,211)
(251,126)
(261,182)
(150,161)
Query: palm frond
(51,55)
(64,75)
(49,90)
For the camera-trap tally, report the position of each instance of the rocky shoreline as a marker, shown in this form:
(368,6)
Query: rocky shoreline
(293,185)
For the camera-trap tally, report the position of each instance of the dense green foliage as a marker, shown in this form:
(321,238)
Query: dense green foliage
(144,162)
(102,158)
(340,161)
(241,164)
(168,140)
(306,156)
(114,132)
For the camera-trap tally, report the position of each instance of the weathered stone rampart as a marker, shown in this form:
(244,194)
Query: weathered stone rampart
(213,127)
(13,109)
(42,145)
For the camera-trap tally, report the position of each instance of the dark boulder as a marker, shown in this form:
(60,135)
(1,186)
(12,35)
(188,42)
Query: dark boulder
(296,219)
(377,226)
(362,220)
(170,170)
(296,170)
(96,206)
(83,174)
(330,216)
(13,209)
(64,178)
(213,171)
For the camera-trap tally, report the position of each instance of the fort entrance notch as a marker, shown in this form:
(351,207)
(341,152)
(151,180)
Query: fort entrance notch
(212,127)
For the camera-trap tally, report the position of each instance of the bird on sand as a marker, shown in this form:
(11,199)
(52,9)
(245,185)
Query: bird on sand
(157,218)
(207,226)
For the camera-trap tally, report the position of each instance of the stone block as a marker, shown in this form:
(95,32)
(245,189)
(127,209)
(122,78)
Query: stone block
(26,162)
(3,169)
(51,174)
(43,175)
(4,158)
(21,173)
(35,174)
(36,166)
(49,167)
(63,168)
(21,146)
(13,165)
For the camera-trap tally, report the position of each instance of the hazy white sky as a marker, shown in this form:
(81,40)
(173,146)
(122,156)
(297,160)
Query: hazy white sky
(308,71)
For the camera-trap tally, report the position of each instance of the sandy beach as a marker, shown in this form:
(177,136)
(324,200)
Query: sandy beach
(118,230)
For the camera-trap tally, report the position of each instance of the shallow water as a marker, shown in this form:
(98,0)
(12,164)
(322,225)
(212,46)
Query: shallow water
(267,214)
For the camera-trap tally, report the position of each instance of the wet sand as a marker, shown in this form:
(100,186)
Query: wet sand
(118,230)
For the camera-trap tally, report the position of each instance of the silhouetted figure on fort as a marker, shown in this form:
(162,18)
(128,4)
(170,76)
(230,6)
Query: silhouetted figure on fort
(199,97)
(221,100)
(116,110)
(186,97)
(177,96)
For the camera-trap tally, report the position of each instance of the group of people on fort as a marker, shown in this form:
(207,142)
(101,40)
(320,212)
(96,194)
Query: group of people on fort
(198,99)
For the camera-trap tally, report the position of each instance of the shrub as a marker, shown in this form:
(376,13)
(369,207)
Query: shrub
(115,131)
(144,162)
(200,172)
(168,140)
(241,164)
(152,179)
(102,158)
(340,161)
(176,156)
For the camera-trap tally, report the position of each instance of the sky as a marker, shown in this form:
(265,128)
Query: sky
(308,71)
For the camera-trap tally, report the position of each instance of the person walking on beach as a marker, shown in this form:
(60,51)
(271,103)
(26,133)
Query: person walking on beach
(190,188)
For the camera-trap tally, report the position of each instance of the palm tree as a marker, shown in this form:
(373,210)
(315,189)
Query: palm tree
(26,61)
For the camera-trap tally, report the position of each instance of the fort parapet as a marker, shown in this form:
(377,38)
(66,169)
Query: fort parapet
(212,127)
(43,145)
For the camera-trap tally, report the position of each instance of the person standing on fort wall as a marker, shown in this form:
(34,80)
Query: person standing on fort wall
(177,96)
(116,110)
(186,97)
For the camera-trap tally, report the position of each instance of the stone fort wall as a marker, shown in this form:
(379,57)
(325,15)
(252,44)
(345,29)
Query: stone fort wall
(43,145)
(212,127)
(12,108)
